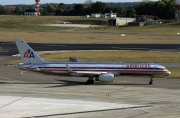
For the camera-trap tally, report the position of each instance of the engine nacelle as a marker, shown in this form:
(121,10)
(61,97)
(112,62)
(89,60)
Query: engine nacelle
(105,77)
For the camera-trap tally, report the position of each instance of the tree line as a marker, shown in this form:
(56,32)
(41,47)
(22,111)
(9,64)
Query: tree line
(163,9)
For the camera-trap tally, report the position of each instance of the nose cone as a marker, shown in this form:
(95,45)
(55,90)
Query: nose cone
(168,73)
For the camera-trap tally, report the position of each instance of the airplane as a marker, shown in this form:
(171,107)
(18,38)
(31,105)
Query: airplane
(63,22)
(95,71)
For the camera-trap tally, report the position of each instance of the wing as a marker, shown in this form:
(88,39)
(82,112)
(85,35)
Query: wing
(84,72)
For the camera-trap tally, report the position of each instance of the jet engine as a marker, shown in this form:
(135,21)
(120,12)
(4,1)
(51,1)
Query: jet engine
(108,77)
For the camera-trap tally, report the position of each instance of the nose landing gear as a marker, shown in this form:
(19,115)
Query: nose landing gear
(151,80)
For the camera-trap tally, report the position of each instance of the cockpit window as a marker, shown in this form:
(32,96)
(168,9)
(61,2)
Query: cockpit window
(163,68)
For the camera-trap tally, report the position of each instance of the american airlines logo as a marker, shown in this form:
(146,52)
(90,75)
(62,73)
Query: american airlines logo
(28,54)
(138,66)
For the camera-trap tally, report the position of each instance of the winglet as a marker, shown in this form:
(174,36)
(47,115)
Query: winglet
(74,59)
(77,59)
(69,69)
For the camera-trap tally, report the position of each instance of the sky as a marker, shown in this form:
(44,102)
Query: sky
(10,2)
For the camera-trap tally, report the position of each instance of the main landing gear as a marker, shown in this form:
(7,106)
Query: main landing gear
(151,80)
(90,80)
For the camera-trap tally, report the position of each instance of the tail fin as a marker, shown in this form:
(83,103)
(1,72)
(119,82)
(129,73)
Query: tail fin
(28,55)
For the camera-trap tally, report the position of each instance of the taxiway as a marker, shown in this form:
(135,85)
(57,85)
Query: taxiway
(35,95)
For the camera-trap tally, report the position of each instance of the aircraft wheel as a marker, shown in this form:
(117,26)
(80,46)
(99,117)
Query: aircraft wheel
(151,80)
(92,81)
(89,81)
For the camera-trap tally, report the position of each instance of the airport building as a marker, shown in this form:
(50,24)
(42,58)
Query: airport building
(177,12)
(35,12)
(31,14)
(120,21)
(106,15)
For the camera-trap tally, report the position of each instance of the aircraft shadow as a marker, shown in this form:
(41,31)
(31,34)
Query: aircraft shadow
(76,83)
(3,82)
(94,111)
(64,83)
(26,83)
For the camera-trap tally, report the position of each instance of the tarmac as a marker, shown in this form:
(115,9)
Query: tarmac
(26,94)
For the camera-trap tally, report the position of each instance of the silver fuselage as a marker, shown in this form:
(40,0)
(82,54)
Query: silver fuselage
(150,69)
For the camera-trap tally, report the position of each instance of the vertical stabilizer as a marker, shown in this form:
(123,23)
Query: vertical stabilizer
(28,55)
